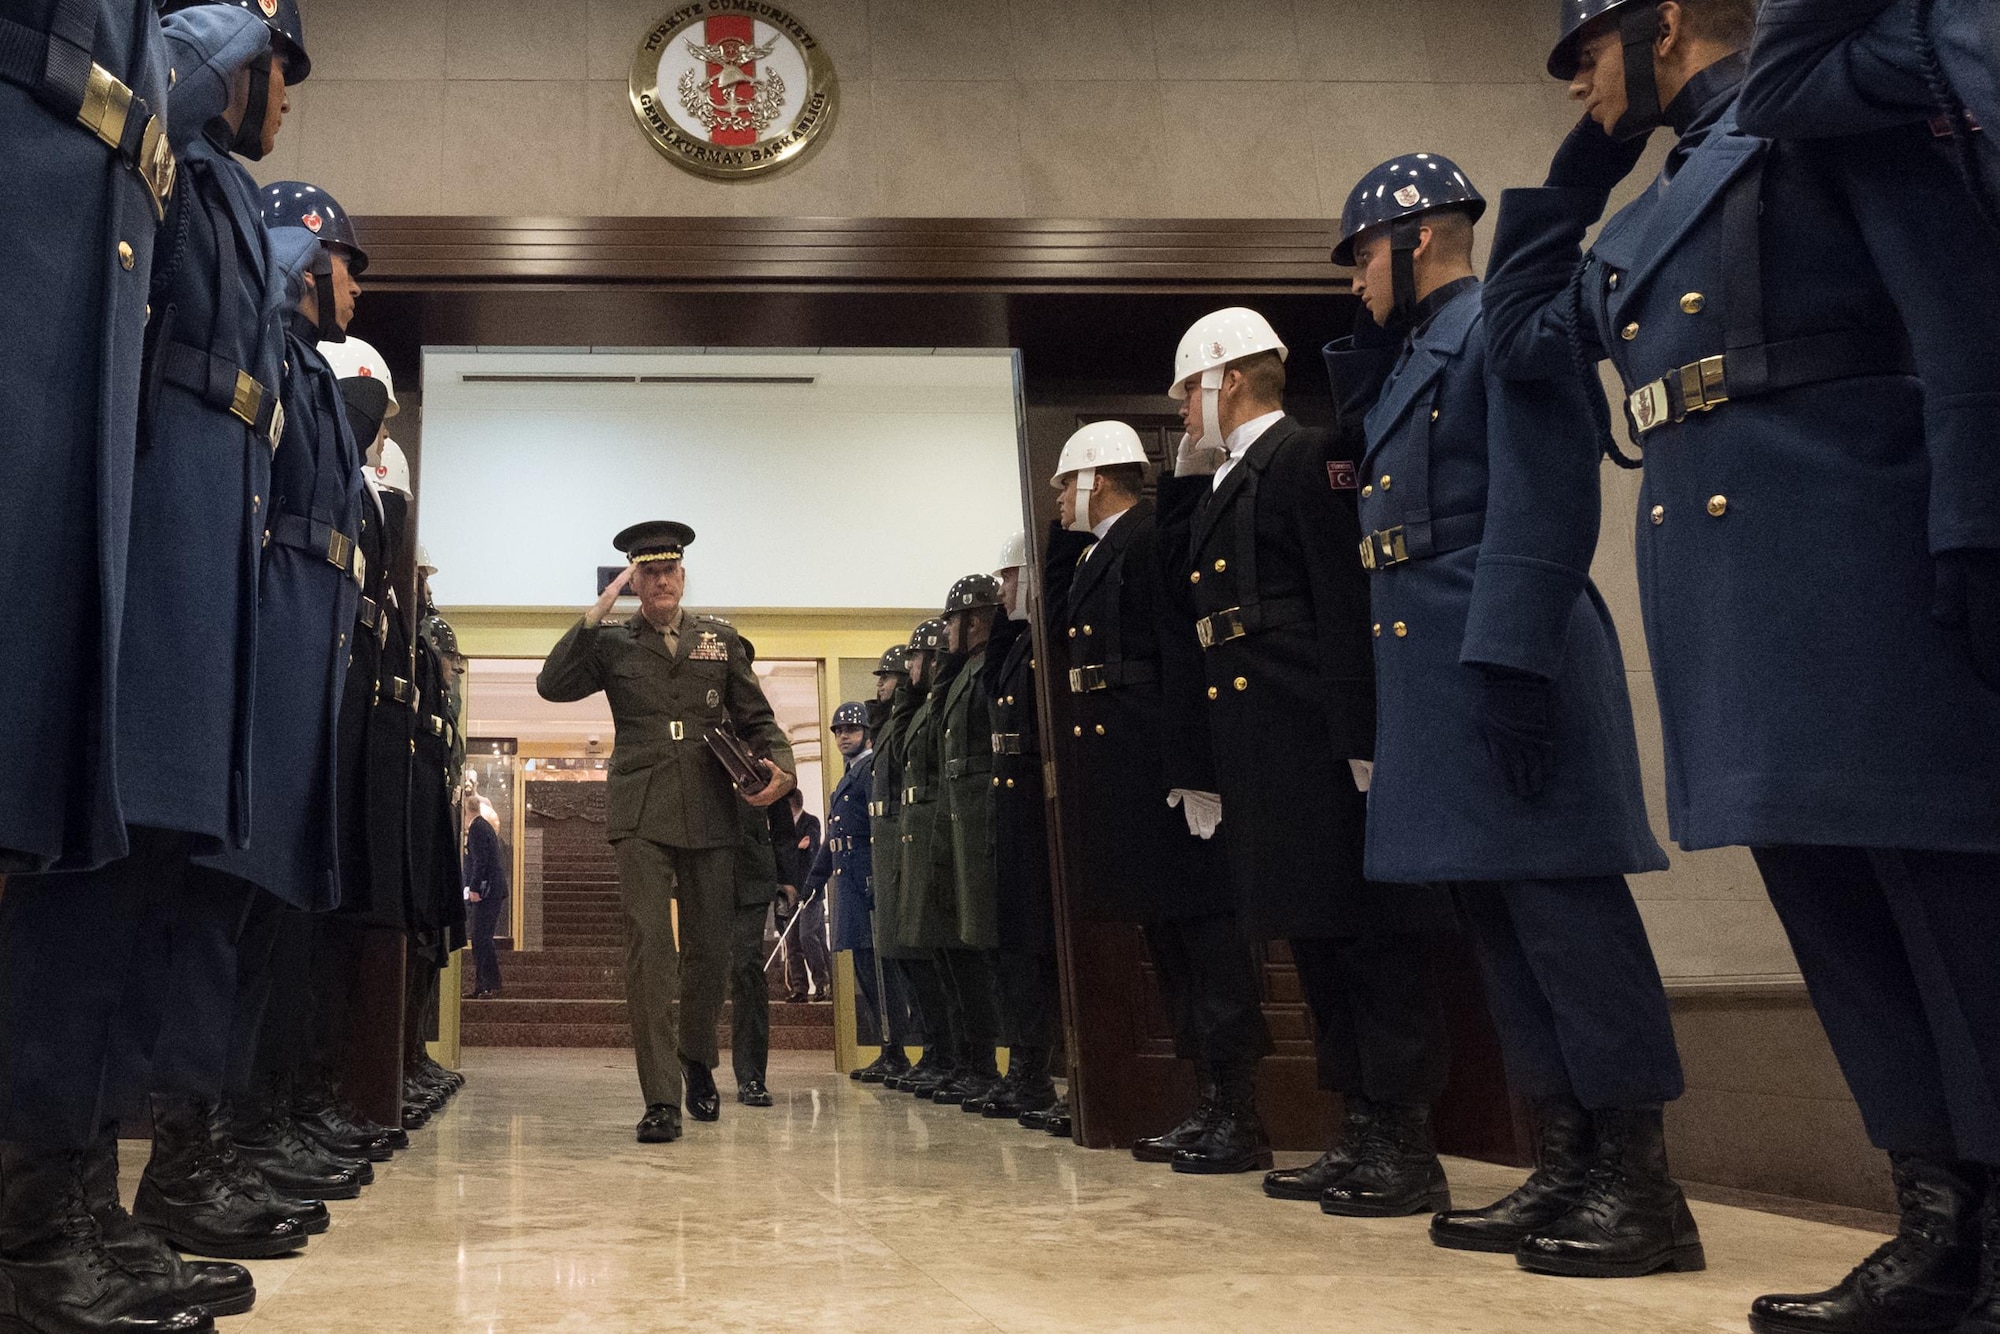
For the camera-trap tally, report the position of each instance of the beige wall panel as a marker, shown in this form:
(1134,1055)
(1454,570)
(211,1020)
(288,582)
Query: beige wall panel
(1122,168)
(1063,40)
(1489,39)
(376,39)
(1713,939)
(511,147)
(1226,39)
(1364,41)
(382,140)
(511,39)
(949,149)
(937,39)
(625,174)
(1238,152)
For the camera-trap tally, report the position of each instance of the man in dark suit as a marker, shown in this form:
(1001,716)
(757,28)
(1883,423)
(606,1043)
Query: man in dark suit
(1260,523)
(1819,504)
(808,972)
(1505,764)
(1114,616)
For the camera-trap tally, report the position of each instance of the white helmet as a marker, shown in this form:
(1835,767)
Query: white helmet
(1013,552)
(1098,445)
(424,559)
(391,471)
(356,357)
(1206,350)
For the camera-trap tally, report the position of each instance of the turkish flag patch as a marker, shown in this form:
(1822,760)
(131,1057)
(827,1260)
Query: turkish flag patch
(1342,475)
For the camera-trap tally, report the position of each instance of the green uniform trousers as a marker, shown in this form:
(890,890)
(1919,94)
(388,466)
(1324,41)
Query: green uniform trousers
(675,992)
(749,994)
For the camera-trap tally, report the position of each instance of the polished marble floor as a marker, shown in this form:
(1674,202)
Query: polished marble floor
(528,1206)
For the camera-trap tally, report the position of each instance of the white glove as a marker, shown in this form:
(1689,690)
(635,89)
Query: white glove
(1197,460)
(1203,810)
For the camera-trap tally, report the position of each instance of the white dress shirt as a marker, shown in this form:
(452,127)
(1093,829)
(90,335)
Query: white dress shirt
(1238,441)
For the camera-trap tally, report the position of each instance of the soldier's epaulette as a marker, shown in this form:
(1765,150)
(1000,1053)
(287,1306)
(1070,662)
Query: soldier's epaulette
(719,620)
(612,623)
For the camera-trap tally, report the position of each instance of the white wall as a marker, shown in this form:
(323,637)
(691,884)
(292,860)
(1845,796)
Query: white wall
(875,486)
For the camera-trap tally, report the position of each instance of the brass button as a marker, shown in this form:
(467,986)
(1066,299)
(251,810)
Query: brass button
(1221,565)
(1612,282)
(1693,302)
(1659,514)
(996,782)
(1010,699)
(1010,782)
(1087,630)
(1385,481)
(1242,683)
(1402,630)
(1072,632)
(1213,692)
(343,639)
(1378,629)
(1076,731)
(1630,331)
(1368,491)
(1195,578)
(1718,505)
(1099,729)
(255,501)
(1434,414)
(125,255)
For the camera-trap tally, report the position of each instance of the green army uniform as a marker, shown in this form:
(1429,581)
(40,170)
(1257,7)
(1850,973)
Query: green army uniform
(927,909)
(672,816)
(749,993)
(885,815)
(967,750)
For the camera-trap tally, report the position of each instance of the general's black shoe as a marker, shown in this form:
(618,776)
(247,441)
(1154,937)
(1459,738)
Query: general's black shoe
(752,1093)
(190,1196)
(1162,1148)
(1234,1140)
(661,1124)
(316,1109)
(1397,1172)
(1631,1218)
(1564,1141)
(57,1274)
(1924,1280)
(218,1287)
(704,1102)
(1058,1122)
(1311,1181)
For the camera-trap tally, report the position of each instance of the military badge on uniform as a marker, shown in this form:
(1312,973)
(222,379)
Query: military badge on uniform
(714,699)
(1343,475)
(709,648)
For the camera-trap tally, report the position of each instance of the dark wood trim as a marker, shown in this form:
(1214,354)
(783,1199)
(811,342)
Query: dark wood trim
(1013,255)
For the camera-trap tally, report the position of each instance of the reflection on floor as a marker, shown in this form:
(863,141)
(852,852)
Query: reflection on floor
(528,1206)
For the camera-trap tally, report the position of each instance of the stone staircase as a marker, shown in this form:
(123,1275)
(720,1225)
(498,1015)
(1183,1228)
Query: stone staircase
(571,992)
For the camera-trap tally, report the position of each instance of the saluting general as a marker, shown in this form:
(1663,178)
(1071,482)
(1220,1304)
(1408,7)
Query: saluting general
(671,674)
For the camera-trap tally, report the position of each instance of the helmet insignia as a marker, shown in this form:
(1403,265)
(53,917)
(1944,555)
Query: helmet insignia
(1408,196)
(313,222)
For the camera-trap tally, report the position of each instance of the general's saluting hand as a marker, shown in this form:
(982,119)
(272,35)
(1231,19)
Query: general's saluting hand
(609,597)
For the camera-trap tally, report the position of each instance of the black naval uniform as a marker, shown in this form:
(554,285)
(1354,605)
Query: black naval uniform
(1267,555)
(1110,608)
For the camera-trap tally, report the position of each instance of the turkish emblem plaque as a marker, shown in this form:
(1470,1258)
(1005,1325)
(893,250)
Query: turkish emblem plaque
(732,88)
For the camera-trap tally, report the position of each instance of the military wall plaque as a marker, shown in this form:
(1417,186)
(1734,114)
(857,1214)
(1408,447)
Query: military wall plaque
(732,89)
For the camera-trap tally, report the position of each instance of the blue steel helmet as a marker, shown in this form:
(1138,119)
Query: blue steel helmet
(288,30)
(972,593)
(895,661)
(851,714)
(299,204)
(927,637)
(1637,21)
(1405,187)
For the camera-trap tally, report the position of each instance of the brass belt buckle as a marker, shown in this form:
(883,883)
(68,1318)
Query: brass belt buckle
(677,730)
(277,425)
(157,166)
(106,104)
(1390,547)
(1083,680)
(1220,628)
(1702,385)
(248,399)
(339,550)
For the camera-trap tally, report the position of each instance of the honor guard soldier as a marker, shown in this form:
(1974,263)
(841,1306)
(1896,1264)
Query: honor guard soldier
(1505,761)
(1260,519)
(903,1017)
(844,870)
(670,674)
(926,899)
(966,895)
(1114,607)
(1029,1006)
(83,100)
(1810,516)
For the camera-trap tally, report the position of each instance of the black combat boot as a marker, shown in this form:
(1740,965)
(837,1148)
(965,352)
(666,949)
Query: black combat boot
(928,1073)
(1234,1140)
(975,1104)
(1563,1144)
(1631,1218)
(263,1134)
(1030,1088)
(1923,1280)
(189,1195)
(252,1183)
(221,1289)
(1162,1148)
(451,1077)
(1397,1172)
(1058,1122)
(972,1080)
(316,1109)
(1311,1181)
(1984,1317)
(57,1275)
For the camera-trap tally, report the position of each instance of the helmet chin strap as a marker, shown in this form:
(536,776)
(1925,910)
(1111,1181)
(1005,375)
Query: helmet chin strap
(248,141)
(1211,410)
(323,298)
(1405,235)
(1086,482)
(1638,28)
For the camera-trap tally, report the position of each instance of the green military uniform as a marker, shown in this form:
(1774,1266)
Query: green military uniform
(885,814)
(967,752)
(926,910)
(672,816)
(749,993)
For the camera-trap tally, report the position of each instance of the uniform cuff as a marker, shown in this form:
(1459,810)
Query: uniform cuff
(1520,615)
